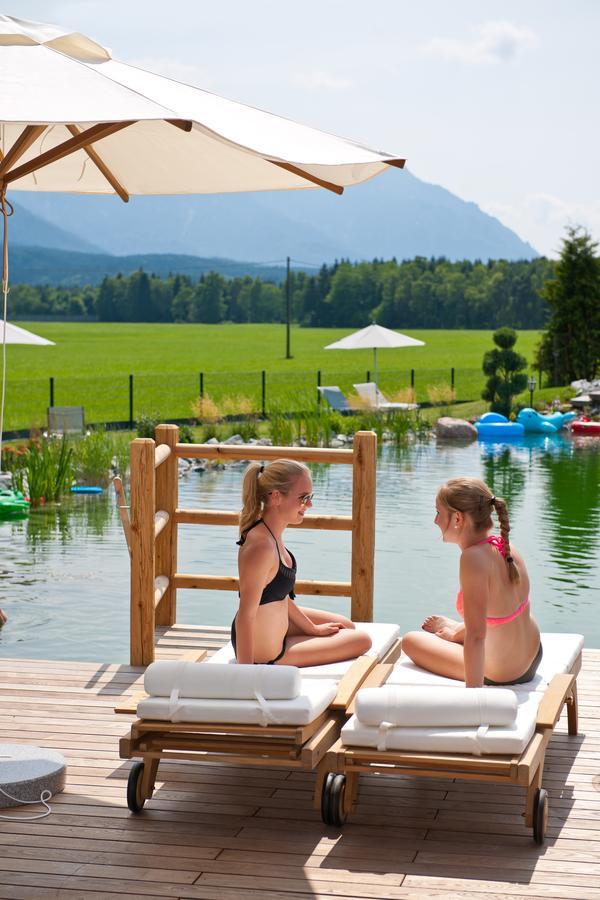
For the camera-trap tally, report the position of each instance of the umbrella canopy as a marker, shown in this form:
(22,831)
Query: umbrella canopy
(374,337)
(63,92)
(16,335)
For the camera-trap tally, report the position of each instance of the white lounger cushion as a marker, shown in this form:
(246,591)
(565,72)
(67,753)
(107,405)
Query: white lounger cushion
(499,739)
(423,706)
(314,698)
(560,652)
(382,637)
(196,680)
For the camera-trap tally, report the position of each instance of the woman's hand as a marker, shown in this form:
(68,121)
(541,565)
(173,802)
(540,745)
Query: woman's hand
(325,629)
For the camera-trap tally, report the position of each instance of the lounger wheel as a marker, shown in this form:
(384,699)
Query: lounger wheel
(332,799)
(540,815)
(135,801)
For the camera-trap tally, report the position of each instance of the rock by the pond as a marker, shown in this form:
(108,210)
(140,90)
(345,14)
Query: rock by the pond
(265,442)
(343,438)
(450,429)
(234,439)
(335,442)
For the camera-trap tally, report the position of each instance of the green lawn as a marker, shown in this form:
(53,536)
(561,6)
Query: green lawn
(91,364)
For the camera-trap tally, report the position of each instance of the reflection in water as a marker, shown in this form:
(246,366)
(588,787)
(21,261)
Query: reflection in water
(572,513)
(64,522)
(64,577)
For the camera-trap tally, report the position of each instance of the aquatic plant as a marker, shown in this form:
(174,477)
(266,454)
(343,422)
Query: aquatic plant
(49,470)
(93,456)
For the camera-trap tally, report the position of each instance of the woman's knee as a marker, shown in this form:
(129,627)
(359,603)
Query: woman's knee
(411,642)
(361,641)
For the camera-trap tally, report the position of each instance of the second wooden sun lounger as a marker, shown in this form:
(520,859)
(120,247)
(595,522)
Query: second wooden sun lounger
(506,755)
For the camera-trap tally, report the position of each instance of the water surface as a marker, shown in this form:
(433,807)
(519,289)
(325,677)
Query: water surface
(64,573)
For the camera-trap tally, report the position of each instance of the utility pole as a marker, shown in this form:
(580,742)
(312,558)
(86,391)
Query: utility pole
(288,306)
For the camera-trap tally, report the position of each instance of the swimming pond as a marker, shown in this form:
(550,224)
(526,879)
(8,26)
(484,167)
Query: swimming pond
(64,575)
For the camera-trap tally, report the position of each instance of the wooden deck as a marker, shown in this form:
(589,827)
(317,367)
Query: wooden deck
(247,833)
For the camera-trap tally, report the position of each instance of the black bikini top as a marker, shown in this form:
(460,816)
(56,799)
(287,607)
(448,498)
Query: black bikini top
(282,585)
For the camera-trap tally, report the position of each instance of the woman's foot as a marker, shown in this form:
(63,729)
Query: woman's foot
(444,628)
(3,618)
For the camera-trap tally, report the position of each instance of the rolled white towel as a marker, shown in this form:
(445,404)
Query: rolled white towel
(221,682)
(429,706)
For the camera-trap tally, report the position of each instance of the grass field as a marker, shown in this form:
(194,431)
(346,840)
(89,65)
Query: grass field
(91,364)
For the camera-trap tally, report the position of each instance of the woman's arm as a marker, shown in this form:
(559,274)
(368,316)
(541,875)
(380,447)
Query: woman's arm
(255,565)
(474,580)
(304,625)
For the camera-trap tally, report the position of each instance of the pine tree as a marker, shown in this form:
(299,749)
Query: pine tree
(570,347)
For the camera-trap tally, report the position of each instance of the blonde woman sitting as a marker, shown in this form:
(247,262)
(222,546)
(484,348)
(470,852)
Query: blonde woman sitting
(498,641)
(269,627)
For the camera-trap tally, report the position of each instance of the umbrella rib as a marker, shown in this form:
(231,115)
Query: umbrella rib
(398,163)
(101,165)
(27,137)
(95,133)
(336,188)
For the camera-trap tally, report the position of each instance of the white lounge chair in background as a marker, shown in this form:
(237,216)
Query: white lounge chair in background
(370,393)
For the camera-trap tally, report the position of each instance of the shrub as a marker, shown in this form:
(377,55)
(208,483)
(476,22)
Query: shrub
(146,424)
(186,435)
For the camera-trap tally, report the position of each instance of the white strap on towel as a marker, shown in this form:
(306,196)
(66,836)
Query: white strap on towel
(174,695)
(267,717)
(382,733)
(477,738)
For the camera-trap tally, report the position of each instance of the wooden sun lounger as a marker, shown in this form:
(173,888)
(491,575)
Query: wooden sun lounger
(336,790)
(291,747)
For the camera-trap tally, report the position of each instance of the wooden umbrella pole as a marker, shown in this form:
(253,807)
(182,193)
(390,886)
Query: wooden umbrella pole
(7,211)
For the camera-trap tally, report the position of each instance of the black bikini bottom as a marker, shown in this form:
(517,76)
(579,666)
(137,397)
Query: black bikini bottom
(527,676)
(271,661)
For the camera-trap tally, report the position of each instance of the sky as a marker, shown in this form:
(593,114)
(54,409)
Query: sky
(497,102)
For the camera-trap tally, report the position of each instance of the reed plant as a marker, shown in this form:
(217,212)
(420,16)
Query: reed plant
(207,411)
(93,456)
(442,395)
(49,470)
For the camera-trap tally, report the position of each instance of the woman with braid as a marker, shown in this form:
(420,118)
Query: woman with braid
(269,627)
(498,641)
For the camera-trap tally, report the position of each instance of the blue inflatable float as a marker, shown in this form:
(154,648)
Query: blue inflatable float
(496,427)
(534,422)
(86,489)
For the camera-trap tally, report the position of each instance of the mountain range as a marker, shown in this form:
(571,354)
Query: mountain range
(394,215)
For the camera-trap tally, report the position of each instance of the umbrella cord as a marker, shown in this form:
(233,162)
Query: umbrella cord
(7,210)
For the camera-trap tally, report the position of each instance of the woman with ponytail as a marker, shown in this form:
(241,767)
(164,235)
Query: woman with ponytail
(498,641)
(269,627)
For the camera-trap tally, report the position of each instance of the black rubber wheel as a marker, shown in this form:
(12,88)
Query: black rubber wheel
(338,792)
(326,799)
(135,802)
(540,815)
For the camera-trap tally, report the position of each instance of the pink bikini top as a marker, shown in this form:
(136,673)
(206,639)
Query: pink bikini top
(500,544)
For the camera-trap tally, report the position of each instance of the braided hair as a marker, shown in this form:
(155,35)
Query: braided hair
(472,497)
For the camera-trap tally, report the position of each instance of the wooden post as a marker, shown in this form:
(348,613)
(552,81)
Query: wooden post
(363,525)
(142,507)
(167,483)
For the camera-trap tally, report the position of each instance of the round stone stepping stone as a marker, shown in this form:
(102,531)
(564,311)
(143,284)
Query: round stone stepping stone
(26,771)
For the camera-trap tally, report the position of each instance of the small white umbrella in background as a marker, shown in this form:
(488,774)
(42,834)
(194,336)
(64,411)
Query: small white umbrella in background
(16,335)
(374,337)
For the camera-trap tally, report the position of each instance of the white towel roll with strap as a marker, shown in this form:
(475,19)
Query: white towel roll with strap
(414,706)
(192,680)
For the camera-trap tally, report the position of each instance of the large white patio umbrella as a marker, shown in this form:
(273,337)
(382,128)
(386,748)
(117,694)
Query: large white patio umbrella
(374,337)
(74,119)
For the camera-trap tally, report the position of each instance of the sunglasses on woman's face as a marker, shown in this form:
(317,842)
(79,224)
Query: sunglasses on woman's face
(305,498)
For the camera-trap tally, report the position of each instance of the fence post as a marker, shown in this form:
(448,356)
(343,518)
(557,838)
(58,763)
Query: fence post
(452,378)
(201,385)
(412,378)
(363,525)
(131,402)
(51,391)
(264,392)
(142,500)
(318,385)
(167,484)
(368,375)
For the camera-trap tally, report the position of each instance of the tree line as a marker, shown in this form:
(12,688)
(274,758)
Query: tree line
(417,293)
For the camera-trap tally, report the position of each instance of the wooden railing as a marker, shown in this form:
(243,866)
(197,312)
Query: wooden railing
(155,515)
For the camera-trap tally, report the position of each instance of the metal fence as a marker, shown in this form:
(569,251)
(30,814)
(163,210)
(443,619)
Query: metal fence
(123,398)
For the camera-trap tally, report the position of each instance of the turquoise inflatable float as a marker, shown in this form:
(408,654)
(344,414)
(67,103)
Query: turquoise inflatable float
(496,427)
(534,423)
